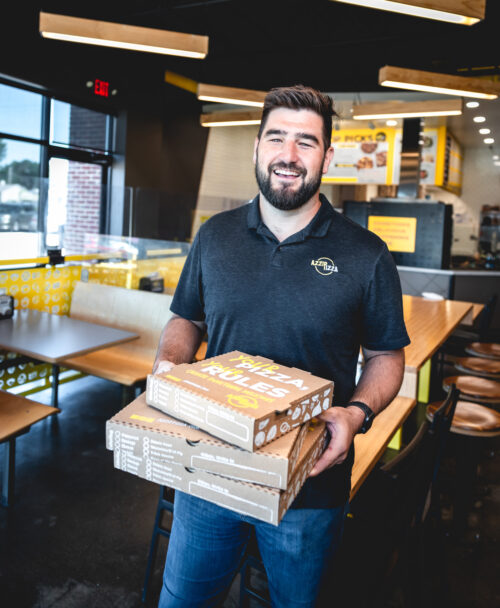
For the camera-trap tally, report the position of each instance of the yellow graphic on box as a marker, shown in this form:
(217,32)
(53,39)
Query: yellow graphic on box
(242,401)
(170,377)
(399,233)
(143,418)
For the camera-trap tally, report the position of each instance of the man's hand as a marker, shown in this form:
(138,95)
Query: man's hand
(163,366)
(343,423)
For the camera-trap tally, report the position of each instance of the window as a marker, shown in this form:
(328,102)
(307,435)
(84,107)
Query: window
(20,112)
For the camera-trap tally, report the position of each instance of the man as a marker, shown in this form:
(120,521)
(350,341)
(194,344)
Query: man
(288,278)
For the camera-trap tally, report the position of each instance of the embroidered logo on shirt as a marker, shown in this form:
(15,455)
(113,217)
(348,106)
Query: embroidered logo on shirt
(324,266)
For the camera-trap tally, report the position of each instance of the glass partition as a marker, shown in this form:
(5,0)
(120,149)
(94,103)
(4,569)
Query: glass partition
(20,112)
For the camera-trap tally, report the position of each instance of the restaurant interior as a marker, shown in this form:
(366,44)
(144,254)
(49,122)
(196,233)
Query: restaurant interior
(119,138)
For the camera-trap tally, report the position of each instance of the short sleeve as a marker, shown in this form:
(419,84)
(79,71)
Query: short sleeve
(383,326)
(188,296)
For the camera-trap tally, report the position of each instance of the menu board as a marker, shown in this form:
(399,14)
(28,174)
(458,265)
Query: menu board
(441,161)
(364,156)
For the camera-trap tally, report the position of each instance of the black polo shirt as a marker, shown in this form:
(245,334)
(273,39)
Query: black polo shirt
(309,301)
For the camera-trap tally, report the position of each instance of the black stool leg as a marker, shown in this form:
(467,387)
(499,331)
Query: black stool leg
(163,505)
(9,464)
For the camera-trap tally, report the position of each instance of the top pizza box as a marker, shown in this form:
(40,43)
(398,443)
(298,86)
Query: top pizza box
(243,399)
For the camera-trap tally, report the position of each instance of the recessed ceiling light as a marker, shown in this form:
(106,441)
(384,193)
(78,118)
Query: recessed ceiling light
(479,119)
(497,163)
(391,123)
(495,157)
(489,140)
(485,131)
(472,104)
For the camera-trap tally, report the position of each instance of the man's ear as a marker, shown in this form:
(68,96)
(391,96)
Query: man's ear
(255,146)
(328,159)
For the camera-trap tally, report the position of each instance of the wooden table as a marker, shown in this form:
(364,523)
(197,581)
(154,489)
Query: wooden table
(429,323)
(41,336)
(370,447)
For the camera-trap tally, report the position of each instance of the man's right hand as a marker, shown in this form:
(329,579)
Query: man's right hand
(163,366)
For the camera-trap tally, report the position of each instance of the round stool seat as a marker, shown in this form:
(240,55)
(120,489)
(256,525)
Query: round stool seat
(474,388)
(490,350)
(471,419)
(478,366)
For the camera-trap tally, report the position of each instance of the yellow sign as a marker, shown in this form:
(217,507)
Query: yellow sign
(399,233)
(363,156)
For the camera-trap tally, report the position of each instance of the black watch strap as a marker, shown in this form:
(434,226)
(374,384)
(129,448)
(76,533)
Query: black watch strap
(368,412)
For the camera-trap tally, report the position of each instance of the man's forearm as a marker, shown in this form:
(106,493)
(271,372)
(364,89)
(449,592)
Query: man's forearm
(381,379)
(179,342)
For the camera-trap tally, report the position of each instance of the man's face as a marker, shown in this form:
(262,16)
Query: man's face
(290,157)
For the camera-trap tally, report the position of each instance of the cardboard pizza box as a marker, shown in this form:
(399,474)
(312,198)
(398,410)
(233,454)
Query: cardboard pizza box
(263,503)
(243,399)
(145,432)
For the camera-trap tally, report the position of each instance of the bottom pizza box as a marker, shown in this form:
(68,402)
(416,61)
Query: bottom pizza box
(258,501)
(144,432)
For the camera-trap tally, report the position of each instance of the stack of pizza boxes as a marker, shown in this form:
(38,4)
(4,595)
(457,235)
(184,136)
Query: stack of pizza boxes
(237,430)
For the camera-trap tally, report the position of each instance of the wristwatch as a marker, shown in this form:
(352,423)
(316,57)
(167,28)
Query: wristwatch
(368,412)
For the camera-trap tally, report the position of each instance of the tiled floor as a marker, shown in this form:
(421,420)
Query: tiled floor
(79,531)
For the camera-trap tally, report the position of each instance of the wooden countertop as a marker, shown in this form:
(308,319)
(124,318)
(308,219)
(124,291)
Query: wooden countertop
(429,323)
(370,447)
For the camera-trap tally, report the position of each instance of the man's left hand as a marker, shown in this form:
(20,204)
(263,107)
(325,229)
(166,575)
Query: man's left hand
(343,424)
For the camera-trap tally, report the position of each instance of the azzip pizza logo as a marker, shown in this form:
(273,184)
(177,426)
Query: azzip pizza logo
(324,266)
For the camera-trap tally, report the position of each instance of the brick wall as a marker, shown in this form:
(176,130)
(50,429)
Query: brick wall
(87,130)
(83,206)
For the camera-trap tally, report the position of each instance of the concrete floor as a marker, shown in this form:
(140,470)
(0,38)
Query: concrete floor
(78,534)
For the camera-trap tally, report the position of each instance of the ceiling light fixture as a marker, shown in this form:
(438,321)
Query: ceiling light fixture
(241,97)
(409,109)
(489,140)
(472,104)
(485,131)
(391,123)
(463,13)
(231,119)
(433,82)
(497,163)
(479,119)
(117,35)
(495,157)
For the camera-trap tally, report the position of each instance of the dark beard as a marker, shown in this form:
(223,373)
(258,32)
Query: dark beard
(284,198)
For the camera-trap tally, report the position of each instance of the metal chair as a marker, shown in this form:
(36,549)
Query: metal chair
(165,505)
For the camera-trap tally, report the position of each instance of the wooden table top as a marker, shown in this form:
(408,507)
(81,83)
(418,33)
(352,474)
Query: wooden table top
(370,447)
(429,323)
(51,338)
(18,414)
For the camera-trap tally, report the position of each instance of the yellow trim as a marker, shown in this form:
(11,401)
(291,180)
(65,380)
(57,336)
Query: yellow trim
(181,81)
(163,251)
(440,155)
(389,174)
(44,260)
(340,180)
(395,442)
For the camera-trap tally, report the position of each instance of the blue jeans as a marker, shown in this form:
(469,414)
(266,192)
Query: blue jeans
(207,543)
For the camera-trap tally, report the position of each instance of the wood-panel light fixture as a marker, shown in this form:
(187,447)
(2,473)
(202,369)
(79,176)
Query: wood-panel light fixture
(462,12)
(407,109)
(117,35)
(240,97)
(432,82)
(231,119)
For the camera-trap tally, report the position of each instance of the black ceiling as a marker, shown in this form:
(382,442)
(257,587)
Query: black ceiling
(254,44)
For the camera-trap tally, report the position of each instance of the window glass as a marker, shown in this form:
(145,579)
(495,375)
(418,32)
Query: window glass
(77,127)
(19,186)
(20,112)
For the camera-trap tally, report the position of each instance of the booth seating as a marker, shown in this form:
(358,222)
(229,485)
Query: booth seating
(476,389)
(489,350)
(142,312)
(17,415)
(477,366)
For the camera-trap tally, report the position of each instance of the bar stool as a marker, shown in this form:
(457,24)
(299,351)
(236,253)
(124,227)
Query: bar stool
(489,350)
(165,504)
(474,388)
(477,366)
(472,423)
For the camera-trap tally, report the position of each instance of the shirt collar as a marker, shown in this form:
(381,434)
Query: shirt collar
(317,227)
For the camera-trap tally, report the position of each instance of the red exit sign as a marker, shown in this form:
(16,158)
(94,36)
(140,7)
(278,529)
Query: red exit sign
(101,88)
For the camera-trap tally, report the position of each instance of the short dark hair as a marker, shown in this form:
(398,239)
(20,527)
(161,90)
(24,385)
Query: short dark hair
(300,97)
